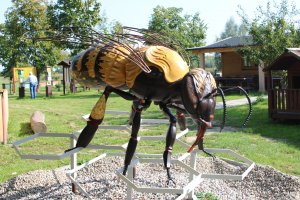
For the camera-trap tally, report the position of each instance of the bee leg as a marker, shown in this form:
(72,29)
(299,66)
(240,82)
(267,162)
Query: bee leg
(170,139)
(181,120)
(95,119)
(121,93)
(137,108)
(137,104)
(97,115)
(133,111)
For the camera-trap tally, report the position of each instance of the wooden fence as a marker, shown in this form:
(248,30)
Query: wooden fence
(284,103)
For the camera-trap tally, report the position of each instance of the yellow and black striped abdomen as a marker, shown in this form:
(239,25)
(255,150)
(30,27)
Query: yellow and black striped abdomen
(105,65)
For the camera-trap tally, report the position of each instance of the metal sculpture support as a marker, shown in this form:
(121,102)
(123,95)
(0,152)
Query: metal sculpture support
(195,178)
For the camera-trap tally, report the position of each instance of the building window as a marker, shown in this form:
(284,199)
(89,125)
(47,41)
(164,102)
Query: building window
(247,64)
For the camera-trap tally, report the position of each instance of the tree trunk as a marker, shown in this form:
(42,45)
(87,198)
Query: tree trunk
(38,79)
(37,122)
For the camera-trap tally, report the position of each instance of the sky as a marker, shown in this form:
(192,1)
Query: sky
(137,13)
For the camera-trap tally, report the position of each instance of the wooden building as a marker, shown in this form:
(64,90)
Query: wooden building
(236,70)
(284,102)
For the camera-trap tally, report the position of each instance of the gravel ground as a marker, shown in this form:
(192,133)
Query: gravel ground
(101,182)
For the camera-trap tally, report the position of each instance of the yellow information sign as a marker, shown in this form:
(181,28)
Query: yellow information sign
(21,73)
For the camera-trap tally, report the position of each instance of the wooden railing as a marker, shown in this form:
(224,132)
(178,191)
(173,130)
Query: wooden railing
(248,83)
(284,100)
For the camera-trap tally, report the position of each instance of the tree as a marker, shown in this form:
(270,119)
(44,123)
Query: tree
(243,30)
(109,27)
(74,13)
(83,16)
(24,20)
(273,29)
(187,30)
(231,29)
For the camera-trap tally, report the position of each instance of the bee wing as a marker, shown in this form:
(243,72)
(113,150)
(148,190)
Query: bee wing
(149,37)
(88,38)
(128,39)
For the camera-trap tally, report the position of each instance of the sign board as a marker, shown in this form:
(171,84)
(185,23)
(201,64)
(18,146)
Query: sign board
(20,74)
(48,75)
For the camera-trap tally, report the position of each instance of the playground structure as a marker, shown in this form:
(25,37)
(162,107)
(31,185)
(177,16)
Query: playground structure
(195,178)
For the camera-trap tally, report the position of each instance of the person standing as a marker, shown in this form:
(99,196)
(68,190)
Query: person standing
(33,83)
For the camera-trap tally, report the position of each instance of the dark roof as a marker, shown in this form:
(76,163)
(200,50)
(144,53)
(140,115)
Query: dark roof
(64,63)
(285,60)
(231,42)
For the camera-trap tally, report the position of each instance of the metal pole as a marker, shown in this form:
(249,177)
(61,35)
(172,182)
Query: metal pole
(191,177)
(130,177)
(73,162)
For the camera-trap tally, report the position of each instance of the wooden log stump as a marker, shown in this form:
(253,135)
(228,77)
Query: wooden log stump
(37,122)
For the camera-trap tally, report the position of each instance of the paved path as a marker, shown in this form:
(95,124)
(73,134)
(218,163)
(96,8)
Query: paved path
(230,103)
(236,102)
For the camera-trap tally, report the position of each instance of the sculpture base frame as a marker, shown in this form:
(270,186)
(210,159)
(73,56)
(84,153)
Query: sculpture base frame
(195,178)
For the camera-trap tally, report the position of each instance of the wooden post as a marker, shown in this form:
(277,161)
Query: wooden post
(202,60)
(21,92)
(66,74)
(72,86)
(37,122)
(270,94)
(48,90)
(3,116)
(261,77)
(64,80)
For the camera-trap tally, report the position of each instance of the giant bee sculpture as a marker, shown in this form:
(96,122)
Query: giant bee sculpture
(151,72)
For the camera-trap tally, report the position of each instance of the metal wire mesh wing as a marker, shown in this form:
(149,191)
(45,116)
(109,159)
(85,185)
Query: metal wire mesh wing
(129,38)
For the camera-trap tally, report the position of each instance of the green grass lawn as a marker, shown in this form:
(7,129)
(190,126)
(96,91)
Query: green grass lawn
(264,142)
